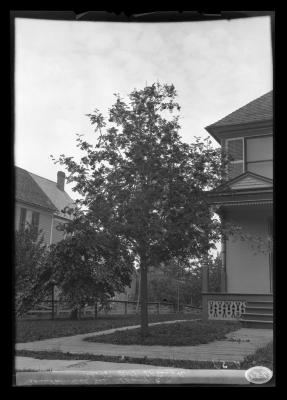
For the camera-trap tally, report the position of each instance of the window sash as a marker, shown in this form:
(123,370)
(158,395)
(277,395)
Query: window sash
(35,221)
(259,149)
(22,222)
(236,167)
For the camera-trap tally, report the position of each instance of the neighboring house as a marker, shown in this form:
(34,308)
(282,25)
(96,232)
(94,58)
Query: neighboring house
(245,199)
(40,202)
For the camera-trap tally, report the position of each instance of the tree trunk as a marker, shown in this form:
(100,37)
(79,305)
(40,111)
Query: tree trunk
(74,314)
(96,310)
(144,297)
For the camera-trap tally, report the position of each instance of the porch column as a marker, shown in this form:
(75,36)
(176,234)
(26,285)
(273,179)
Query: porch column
(205,287)
(223,285)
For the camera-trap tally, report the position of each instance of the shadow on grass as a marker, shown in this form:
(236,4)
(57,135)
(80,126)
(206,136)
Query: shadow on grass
(188,333)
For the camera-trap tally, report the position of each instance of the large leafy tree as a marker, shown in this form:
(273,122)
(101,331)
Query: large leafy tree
(141,183)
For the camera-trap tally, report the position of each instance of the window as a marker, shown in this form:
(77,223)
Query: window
(235,149)
(254,154)
(35,221)
(23,213)
(259,155)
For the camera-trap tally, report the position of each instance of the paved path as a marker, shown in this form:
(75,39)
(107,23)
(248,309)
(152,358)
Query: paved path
(235,347)
(29,363)
(138,376)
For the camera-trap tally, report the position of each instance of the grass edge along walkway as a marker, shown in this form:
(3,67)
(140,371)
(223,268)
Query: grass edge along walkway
(256,358)
(34,330)
(170,333)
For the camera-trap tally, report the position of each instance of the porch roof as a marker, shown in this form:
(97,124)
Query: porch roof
(242,197)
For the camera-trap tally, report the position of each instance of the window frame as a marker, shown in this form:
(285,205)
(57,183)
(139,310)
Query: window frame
(257,161)
(35,226)
(22,221)
(243,153)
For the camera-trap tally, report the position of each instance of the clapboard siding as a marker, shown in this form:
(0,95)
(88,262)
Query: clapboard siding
(45,225)
(45,219)
(57,235)
(250,182)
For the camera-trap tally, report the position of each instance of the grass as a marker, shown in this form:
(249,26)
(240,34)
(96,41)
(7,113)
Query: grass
(186,364)
(262,357)
(188,333)
(31,330)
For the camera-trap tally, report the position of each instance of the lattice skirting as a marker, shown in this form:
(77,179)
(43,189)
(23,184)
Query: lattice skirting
(226,309)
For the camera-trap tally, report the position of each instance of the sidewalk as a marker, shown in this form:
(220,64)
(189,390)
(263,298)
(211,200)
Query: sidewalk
(132,376)
(30,371)
(235,347)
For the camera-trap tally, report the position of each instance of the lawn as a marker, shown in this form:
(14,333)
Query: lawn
(30,330)
(262,357)
(188,333)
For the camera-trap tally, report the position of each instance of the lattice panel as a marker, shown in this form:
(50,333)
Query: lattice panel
(225,309)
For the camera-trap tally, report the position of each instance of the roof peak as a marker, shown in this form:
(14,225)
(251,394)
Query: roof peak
(259,109)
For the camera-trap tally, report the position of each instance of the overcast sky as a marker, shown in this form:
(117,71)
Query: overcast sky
(66,69)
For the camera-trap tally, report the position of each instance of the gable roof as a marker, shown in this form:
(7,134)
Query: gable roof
(58,197)
(27,190)
(39,191)
(247,180)
(260,109)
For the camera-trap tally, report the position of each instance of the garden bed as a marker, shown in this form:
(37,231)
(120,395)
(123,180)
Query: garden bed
(188,333)
(31,330)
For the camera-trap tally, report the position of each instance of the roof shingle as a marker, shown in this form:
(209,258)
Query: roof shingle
(257,110)
(27,190)
(39,191)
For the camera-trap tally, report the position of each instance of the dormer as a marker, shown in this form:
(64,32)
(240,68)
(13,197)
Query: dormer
(247,136)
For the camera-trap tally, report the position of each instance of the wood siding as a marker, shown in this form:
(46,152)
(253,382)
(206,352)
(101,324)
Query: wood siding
(45,219)
(248,269)
(57,235)
(250,182)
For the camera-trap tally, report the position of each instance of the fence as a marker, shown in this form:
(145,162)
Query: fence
(50,309)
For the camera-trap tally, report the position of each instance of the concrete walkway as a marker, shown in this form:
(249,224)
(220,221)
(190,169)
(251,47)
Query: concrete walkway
(235,347)
(156,375)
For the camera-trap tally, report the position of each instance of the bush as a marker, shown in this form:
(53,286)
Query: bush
(32,272)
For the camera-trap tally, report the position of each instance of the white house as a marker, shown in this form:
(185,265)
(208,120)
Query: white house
(41,202)
(245,199)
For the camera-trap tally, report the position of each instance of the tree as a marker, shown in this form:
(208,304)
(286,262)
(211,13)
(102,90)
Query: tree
(32,273)
(183,281)
(89,267)
(141,183)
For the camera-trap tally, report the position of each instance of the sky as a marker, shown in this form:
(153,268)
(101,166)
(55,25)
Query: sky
(66,69)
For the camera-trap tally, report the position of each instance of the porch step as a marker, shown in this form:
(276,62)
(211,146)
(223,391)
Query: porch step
(249,323)
(258,314)
(260,310)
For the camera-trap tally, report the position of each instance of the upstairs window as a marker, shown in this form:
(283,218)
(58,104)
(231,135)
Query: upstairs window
(235,149)
(259,155)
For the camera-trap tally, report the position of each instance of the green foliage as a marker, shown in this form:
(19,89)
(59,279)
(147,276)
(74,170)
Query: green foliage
(30,330)
(184,281)
(142,183)
(190,333)
(32,272)
(89,267)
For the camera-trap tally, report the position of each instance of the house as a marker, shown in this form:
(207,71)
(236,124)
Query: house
(41,202)
(246,200)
